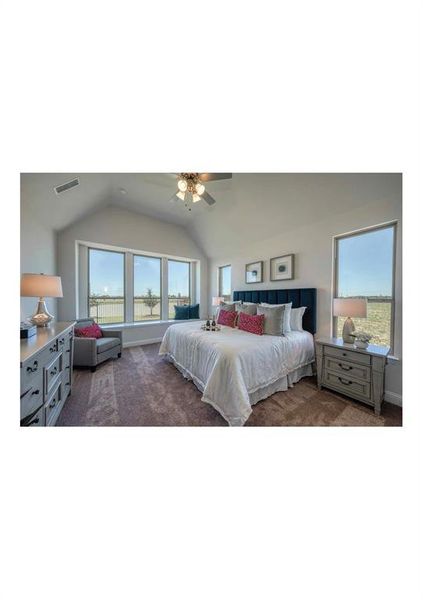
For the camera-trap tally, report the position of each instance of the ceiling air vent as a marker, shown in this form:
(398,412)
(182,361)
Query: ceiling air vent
(59,189)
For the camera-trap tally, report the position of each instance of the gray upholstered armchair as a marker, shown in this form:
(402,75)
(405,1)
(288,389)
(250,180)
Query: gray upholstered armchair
(90,352)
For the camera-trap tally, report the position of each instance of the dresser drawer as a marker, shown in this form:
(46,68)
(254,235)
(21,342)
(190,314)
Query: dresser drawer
(52,372)
(347,369)
(54,405)
(35,419)
(30,371)
(347,385)
(32,398)
(350,355)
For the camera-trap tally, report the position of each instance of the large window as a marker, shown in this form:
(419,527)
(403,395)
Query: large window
(106,285)
(147,288)
(178,284)
(365,269)
(225,282)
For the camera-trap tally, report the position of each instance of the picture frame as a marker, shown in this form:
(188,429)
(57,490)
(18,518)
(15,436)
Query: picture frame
(254,272)
(282,267)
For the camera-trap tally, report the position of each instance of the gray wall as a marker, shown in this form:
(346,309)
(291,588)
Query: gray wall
(38,251)
(366,201)
(124,229)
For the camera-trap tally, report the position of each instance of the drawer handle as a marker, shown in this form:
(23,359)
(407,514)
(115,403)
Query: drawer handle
(344,368)
(33,368)
(344,354)
(62,341)
(33,422)
(68,350)
(52,349)
(344,382)
(53,371)
(52,404)
(35,393)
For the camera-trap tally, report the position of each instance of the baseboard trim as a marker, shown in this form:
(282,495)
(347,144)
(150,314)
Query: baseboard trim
(142,342)
(393,398)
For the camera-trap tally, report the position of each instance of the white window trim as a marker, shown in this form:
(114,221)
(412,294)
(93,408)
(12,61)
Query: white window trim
(82,287)
(393,356)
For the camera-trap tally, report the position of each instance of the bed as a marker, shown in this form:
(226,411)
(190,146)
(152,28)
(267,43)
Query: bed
(235,369)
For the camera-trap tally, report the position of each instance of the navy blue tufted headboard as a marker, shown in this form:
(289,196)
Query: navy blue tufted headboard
(298,297)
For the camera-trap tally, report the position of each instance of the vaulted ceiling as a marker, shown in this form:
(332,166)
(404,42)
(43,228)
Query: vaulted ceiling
(249,207)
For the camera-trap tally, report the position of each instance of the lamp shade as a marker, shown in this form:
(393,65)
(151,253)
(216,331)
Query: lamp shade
(41,286)
(216,300)
(350,307)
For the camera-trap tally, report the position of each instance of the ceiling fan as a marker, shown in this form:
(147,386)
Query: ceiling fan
(192,184)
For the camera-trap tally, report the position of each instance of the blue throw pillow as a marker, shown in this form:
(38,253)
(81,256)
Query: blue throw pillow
(194,311)
(181,312)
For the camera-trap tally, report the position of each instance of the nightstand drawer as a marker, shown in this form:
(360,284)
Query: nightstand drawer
(351,355)
(346,384)
(347,369)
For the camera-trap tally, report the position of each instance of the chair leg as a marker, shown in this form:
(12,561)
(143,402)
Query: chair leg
(93,369)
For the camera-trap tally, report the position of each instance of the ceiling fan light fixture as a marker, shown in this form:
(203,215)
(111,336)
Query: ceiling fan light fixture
(182,184)
(181,195)
(199,188)
(196,197)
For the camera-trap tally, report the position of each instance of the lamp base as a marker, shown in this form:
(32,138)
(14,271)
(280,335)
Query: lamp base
(347,330)
(41,317)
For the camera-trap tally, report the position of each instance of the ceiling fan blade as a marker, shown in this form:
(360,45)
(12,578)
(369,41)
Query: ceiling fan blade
(214,176)
(207,198)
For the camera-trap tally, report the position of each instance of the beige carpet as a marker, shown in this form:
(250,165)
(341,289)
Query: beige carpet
(142,389)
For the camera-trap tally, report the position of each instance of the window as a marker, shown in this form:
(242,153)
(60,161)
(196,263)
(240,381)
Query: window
(365,269)
(147,288)
(178,285)
(225,282)
(106,284)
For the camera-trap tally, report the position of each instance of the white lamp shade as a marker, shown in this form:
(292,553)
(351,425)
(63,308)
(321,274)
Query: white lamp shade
(350,307)
(41,286)
(216,300)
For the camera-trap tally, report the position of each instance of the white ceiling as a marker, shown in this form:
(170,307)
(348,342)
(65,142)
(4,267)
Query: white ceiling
(249,207)
(147,193)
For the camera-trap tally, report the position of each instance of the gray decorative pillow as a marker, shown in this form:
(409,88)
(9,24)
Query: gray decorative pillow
(227,306)
(249,308)
(273,319)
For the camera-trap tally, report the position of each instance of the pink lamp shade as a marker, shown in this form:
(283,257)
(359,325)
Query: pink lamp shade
(350,307)
(41,286)
(216,300)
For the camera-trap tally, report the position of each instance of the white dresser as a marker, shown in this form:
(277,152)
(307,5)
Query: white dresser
(46,374)
(356,372)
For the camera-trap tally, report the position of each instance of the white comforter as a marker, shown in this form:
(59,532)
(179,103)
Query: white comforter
(229,365)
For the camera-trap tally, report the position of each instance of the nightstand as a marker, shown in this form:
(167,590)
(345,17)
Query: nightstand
(356,372)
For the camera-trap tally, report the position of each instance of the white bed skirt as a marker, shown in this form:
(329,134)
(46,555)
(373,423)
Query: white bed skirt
(280,385)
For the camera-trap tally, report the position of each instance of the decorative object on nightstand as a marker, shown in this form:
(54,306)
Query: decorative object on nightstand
(349,307)
(362,339)
(355,372)
(43,286)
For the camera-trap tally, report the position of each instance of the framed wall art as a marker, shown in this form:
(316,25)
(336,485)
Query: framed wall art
(254,272)
(282,267)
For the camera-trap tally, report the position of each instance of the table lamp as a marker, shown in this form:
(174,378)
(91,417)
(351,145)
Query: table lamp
(42,286)
(349,307)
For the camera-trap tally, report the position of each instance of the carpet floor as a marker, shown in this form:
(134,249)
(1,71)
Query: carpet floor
(142,389)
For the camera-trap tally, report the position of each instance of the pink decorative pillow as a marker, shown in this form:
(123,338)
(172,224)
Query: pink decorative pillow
(92,331)
(227,317)
(251,323)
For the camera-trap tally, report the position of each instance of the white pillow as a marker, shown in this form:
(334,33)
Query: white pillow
(286,315)
(297,318)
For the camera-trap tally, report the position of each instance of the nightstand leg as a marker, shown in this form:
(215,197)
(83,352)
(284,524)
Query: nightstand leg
(378,370)
(319,365)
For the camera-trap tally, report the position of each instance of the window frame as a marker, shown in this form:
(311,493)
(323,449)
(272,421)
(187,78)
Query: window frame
(219,280)
(389,225)
(160,258)
(190,291)
(90,248)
